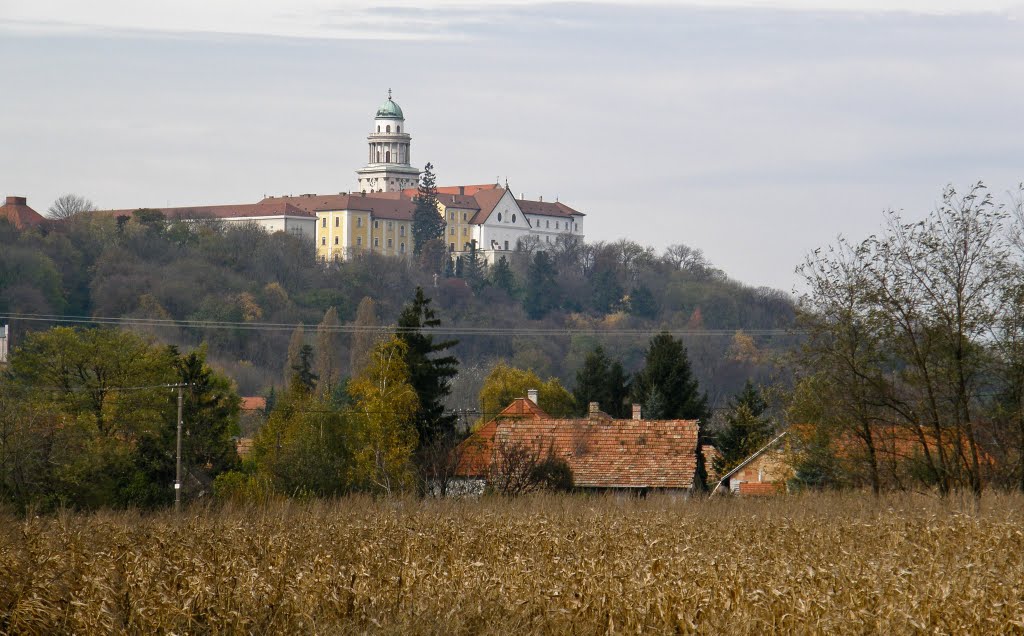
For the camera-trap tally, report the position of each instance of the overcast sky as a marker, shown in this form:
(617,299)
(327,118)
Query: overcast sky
(755,130)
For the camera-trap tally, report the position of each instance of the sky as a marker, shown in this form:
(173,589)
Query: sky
(755,130)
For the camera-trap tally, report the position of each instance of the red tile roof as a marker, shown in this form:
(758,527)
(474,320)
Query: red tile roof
(384,205)
(601,453)
(254,403)
(487,200)
(241,210)
(545,208)
(18,214)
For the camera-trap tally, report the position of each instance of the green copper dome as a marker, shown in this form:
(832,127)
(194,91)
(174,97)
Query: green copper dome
(389,109)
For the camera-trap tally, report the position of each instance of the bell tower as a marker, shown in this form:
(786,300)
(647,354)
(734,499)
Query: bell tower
(389,167)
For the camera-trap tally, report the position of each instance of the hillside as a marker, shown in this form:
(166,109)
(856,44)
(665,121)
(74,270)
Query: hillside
(614,294)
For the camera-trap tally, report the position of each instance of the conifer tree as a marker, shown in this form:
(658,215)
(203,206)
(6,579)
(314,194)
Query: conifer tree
(427,223)
(429,373)
(747,428)
(603,381)
(474,269)
(303,377)
(541,287)
(502,276)
(642,302)
(665,386)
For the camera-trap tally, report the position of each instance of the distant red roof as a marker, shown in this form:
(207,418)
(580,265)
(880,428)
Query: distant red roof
(487,200)
(385,205)
(546,208)
(18,214)
(254,403)
(242,210)
(602,453)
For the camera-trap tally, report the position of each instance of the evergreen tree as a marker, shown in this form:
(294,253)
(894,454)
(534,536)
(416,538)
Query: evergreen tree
(427,223)
(606,292)
(303,376)
(429,374)
(603,381)
(541,287)
(746,429)
(502,276)
(665,386)
(474,269)
(642,303)
(459,267)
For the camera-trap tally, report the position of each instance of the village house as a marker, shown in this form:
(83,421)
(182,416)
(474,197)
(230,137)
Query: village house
(766,472)
(634,456)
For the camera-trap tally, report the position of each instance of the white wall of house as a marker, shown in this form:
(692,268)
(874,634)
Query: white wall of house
(298,225)
(504,227)
(549,228)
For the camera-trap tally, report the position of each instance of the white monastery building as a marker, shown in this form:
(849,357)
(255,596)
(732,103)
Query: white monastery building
(378,216)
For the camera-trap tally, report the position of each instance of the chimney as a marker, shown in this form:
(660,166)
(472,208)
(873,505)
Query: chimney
(462,190)
(594,409)
(541,198)
(17,201)
(636,412)
(532,395)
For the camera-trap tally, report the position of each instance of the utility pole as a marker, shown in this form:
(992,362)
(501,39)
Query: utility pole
(177,471)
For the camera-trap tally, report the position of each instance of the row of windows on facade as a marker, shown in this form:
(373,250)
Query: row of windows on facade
(359,223)
(359,243)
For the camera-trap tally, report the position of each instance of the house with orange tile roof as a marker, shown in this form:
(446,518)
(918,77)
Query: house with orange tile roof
(765,472)
(15,211)
(604,454)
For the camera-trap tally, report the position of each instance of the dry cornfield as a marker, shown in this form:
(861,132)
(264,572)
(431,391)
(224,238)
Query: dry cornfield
(552,565)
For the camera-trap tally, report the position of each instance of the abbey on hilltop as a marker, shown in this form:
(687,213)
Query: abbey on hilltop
(378,216)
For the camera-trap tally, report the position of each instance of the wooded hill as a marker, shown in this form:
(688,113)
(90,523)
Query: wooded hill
(151,268)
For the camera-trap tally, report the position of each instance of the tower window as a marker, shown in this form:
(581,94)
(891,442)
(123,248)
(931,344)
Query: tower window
(378,128)
(398,129)
(387,159)
(389,129)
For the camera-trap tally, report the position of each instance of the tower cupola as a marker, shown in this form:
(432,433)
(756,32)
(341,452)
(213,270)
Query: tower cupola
(389,167)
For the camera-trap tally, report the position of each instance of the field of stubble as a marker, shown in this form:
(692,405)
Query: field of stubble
(550,565)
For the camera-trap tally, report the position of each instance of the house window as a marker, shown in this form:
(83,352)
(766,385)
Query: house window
(547,224)
(359,221)
(451,216)
(335,240)
(376,242)
(556,225)
(451,247)
(499,216)
(465,231)
(451,231)
(323,240)
(359,241)
(390,224)
(401,230)
(390,244)
(463,216)
(337,221)
(324,222)
(506,244)
(401,248)
(376,225)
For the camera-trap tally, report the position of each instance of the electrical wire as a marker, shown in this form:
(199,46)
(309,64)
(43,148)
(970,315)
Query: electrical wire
(388,329)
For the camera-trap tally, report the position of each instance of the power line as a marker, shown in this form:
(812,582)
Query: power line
(388,329)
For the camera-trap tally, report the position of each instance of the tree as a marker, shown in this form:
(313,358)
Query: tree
(541,287)
(474,269)
(747,428)
(606,295)
(295,344)
(642,302)
(366,336)
(506,383)
(603,381)
(427,224)
(328,363)
(385,409)
(502,276)
(429,373)
(302,372)
(665,386)
(68,205)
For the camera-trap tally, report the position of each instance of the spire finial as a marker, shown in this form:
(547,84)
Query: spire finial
(389,94)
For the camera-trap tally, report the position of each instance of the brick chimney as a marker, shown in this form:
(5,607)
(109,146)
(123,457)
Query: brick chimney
(532,395)
(462,190)
(17,201)
(636,412)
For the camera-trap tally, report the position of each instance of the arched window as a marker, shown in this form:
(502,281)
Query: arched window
(378,128)
(389,129)
(398,129)
(499,217)
(387,157)
(513,218)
